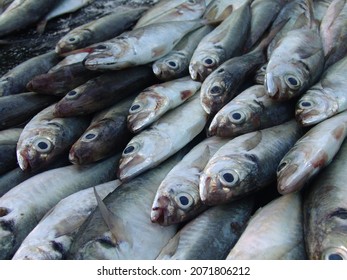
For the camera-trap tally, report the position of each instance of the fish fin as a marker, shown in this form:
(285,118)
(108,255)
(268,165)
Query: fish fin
(170,249)
(113,222)
(41,26)
(201,162)
(253,141)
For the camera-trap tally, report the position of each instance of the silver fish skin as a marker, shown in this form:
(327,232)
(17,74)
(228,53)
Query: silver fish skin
(325,209)
(19,108)
(8,143)
(222,43)
(311,153)
(69,60)
(333,31)
(176,63)
(52,237)
(106,135)
(22,13)
(139,46)
(295,64)
(211,235)
(173,10)
(153,102)
(162,139)
(47,136)
(221,9)
(326,98)
(4,4)
(15,80)
(98,30)
(127,232)
(320,8)
(23,206)
(249,111)
(275,232)
(246,163)
(177,199)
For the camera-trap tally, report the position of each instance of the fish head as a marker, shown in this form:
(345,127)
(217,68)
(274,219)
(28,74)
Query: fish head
(202,64)
(315,107)
(176,201)
(259,76)
(146,108)
(143,152)
(170,67)
(72,100)
(224,179)
(43,251)
(72,41)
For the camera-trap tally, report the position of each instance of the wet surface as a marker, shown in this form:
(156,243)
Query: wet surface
(25,44)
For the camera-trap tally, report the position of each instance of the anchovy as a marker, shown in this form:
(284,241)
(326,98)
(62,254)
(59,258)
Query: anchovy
(325,210)
(153,102)
(177,199)
(23,206)
(246,163)
(8,143)
(162,139)
(211,235)
(311,153)
(275,232)
(249,111)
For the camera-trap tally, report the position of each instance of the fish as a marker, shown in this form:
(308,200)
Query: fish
(104,91)
(249,111)
(320,8)
(21,13)
(4,4)
(273,237)
(52,237)
(24,206)
(173,10)
(333,31)
(222,43)
(120,227)
(175,64)
(162,139)
(177,199)
(139,46)
(326,98)
(15,80)
(61,81)
(69,60)
(106,135)
(98,30)
(46,136)
(247,163)
(8,143)
(220,9)
(325,209)
(19,108)
(153,102)
(259,76)
(211,235)
(311,153)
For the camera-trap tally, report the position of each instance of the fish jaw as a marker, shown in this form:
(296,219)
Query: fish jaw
(102,61)
(272,85)
(160,212)
(198,72)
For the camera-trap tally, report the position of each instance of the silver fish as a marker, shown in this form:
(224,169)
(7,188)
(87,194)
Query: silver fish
(326,98)
(8,143)
(69,60)
(52,237)
(156,100)
(325,209)
(177,198)
(275,232)
(249,111)
(46,136)
(311,153)
(246,163)
(162,139)
(23,206)
(211,235)
(224,42)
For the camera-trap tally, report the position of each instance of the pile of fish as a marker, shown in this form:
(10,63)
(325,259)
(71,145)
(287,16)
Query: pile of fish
(184,129)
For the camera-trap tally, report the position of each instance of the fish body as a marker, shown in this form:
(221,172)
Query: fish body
(246,163)
(249,111)
(8,143)
(320,8)
(211,235)
(177,199)
(275,232)
(220,9)
(47,136)
(156,100)
(325,209)
(315,150)
(162,139)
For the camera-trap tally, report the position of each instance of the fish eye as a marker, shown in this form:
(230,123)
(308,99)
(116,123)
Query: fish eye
(101,47)
(305,104)
(135,108)
(72,39)
(192,1)
(184,200)
(263,68)
(228,178)
(335,257)
(72,94)
(43,145)
(172,64)
(292,82)
(209,62)
(89,136)
(216,90)
(237,117)
(221,70)
(130,149)
(281,166)
(335,254)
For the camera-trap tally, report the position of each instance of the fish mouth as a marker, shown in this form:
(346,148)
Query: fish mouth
(160,213)
(272,85)
(98,60)
(289,179)
(131,167)
(73,157)
(198,72)
(23,161)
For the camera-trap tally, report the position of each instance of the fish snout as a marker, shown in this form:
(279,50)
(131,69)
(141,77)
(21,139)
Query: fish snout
(159,210)
(272,85)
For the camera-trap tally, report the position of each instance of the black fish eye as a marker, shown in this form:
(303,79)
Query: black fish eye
(72,39)
(220,70)
(216,90)
(305,104)
(208,61)
(129,150)
(335,256)
(172,64)
(236,116)
(281,166)
(228,177)
(184,200)
(135,107)
(293,81)
(90,136)
(42,145)
(100,47)
(72,93)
